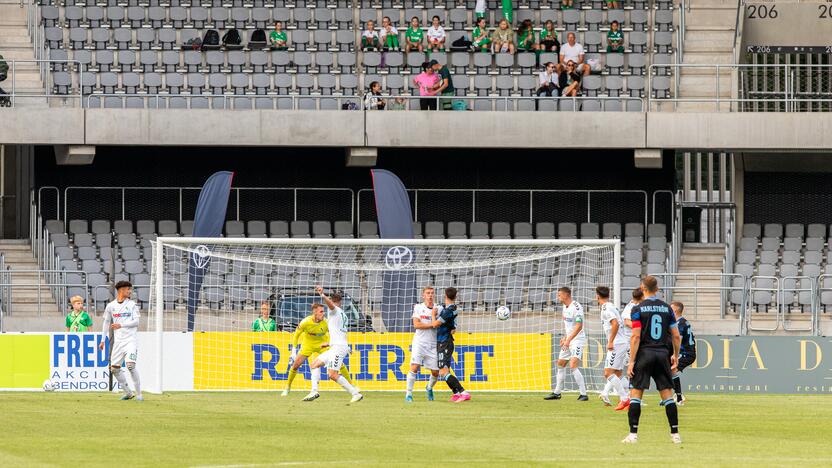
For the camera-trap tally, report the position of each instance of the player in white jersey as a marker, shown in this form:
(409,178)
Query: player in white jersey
(339,349)
(571,345)
(122,316)
(626,331)
(618,346)
(423,349)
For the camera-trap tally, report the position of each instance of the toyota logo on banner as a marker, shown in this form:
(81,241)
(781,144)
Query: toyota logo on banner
(398,257)
(201,256)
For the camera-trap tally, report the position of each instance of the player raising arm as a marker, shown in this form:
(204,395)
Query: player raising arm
(654,348)
(424,344)
(122,316)
(617,346)
(312,332)
(339,349)
(571,345)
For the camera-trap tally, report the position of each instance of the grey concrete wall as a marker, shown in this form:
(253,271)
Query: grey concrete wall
(42,126)
(507,129)
(756,132)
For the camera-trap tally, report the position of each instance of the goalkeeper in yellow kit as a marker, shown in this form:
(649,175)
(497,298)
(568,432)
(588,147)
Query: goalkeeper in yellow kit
(314,333)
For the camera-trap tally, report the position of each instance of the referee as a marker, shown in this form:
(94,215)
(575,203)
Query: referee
(654,348)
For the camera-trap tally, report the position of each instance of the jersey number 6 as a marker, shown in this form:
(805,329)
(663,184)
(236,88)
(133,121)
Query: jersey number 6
(656,327)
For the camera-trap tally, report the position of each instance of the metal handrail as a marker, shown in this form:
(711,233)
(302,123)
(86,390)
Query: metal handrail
(778,316)
(670,278)
(53,280)
(784,306)
(514,100)
(819,290)
(529,192)
(165,98)
(48,85)
(235,190)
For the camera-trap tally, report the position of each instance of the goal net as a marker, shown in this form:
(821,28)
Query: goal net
(215,289)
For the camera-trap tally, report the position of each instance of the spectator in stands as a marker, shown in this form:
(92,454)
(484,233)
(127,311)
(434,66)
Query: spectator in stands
(373,99)
(277,38)
(575,52)
(613,4)
(398,103)
(77,320)
(525,36)
(549,38)
(503,38)
(566,5)
(436,36)
(572,80)
(479,10)
(480,39)
(389,35)
(414,36)
(369,38)
(615,39)
(549,81)
(445,87)
(264,323)
(427,81)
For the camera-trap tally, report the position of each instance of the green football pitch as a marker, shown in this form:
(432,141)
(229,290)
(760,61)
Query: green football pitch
(493,429)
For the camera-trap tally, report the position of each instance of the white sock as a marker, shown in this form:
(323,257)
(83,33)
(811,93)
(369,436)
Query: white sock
(343,382)
(560,378)
(608,386)
(122,380)
(411,381)
(432,382)
(576,374)
(134,374)
(616,382)
(316,377)
(625,382)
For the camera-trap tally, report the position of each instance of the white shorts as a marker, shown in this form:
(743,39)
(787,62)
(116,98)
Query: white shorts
(123,351)
(576,350)
(424,354)
(334,357)
(618,358)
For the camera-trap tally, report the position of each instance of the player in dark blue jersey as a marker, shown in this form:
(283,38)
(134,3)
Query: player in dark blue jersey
(445,325)
(654,351)
(687,351)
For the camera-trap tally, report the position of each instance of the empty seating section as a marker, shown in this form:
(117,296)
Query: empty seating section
(134,49)
(90,246)
(783,267)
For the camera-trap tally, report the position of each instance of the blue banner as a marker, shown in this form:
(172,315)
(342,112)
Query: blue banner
(395,222)
(209,220)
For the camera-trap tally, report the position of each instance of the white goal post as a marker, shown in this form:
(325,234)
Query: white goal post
(380,281)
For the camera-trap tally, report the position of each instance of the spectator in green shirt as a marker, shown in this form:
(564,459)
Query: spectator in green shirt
(613,4)
(445,86)
(525,36)
(277,38)
(548,41)
(370,38)
(480,39)
(77,320)
(414,36)
(264,323)
(566,5)
(615,39)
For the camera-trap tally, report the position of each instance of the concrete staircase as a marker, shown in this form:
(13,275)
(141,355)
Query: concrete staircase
(30,303)
(703,307)
(15,44)
(709,39)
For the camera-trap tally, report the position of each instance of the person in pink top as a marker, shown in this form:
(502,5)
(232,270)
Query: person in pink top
(426,81)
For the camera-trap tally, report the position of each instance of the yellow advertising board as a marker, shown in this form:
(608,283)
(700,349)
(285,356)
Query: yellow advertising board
(379,361)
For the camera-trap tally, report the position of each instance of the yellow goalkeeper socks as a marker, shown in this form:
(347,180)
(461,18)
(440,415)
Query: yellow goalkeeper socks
(345,372)
(292,374)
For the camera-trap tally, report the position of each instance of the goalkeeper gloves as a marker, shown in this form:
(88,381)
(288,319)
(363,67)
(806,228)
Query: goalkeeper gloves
(292,357)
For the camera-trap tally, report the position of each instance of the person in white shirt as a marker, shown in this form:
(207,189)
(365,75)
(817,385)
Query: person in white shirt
(618,346)
(574,52)
(339,348)
(436,36)
(548,81)
(571,345)
(423,349)
(627,330)
(122,317)
(389,35)
(369,38)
